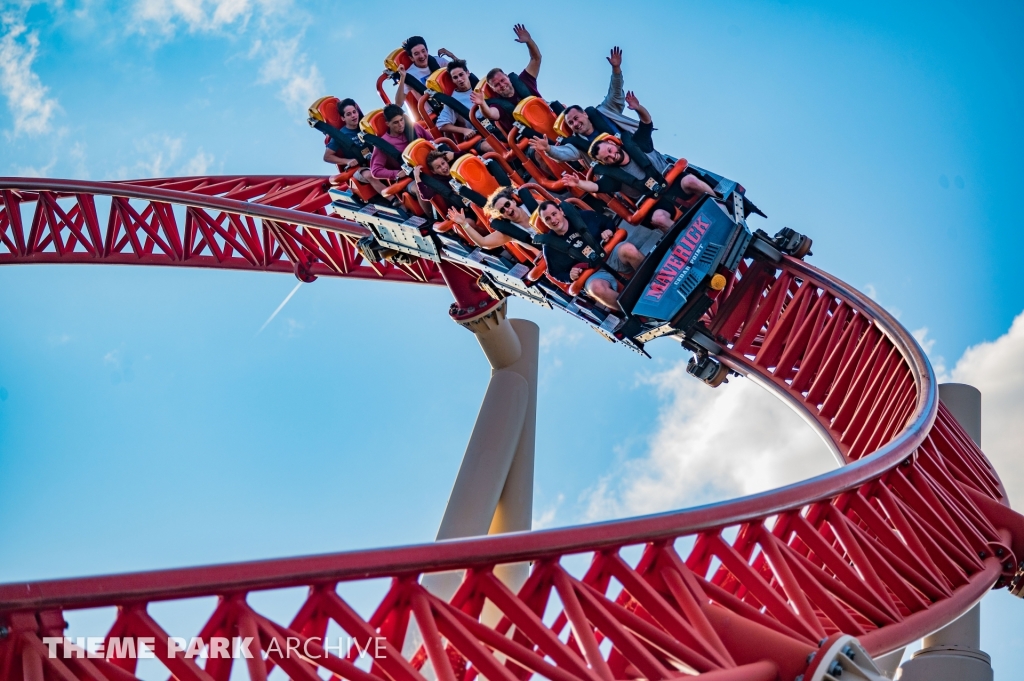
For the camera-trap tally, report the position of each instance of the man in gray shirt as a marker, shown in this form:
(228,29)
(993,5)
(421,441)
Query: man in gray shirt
(579,121)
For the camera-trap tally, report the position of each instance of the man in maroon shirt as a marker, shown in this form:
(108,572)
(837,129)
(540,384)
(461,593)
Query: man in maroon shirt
(509,91)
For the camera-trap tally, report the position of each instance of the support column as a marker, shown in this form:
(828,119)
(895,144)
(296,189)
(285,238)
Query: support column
(890,662)
(493,492)
(954,653)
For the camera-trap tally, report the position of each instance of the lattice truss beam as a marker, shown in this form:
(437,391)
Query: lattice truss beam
(268,224)
(907,536)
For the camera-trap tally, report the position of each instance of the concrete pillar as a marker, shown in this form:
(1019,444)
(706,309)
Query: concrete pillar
(954,653)
(493,492)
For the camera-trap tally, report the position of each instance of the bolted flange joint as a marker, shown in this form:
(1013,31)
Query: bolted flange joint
(841,656)
(488,315)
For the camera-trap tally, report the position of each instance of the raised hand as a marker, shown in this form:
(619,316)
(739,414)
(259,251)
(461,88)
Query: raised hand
(540,144)
(570,180)
(631,101)
(458,216)
(615,59)
(401,73)
(522,35)
(445,52)
(476,97)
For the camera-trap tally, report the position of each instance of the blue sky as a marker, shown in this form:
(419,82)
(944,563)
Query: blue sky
(145,423)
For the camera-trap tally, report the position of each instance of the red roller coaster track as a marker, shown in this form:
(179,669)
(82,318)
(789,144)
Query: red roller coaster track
(271,224)
(904,538)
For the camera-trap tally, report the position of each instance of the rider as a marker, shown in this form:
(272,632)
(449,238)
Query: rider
(509,220)
(457,122)
(399,134)
(634,166)
(347,153)
(588,123)
(509,90)
(575,243)
(439,162)
(423,64)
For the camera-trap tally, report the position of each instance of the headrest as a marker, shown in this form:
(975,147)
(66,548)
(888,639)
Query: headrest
(440,81)
(472,171)
(397,58)
(483,88)
(562,128)
(534,113)
(373,123)
(603,137)
(325,110)
(415,153)
(536,222)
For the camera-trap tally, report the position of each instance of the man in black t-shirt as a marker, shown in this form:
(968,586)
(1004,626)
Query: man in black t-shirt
(575,244)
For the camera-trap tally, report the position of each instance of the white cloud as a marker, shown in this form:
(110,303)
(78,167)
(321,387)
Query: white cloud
(996,369)
(164,17)
(293,328)
(37,171)
(76,153)
(711,445)
(299,81)
(159,156)
(26,96)
(559,338)
(546,518)
(158,152)
(198,164)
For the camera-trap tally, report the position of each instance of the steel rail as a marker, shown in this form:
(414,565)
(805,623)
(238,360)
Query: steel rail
(134,189)
(909,469)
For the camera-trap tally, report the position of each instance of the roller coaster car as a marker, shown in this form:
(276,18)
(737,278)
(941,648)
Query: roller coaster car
(396,236)
(671,286)
(401,239)
(681,278)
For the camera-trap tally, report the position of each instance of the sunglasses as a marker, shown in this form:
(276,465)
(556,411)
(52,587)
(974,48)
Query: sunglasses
(506,208)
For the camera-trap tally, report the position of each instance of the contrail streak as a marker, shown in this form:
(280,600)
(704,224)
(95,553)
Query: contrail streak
(279,308)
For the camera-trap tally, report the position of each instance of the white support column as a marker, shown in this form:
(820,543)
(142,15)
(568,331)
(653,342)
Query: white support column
(954,653)
(493,492)
(890,663)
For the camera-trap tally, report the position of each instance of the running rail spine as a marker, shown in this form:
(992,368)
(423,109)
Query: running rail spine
(261,223)
(901,540)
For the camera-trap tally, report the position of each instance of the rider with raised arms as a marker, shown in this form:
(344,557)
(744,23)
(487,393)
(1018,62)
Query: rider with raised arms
(509,90)
(633,166)
(453,122)
(588,123)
